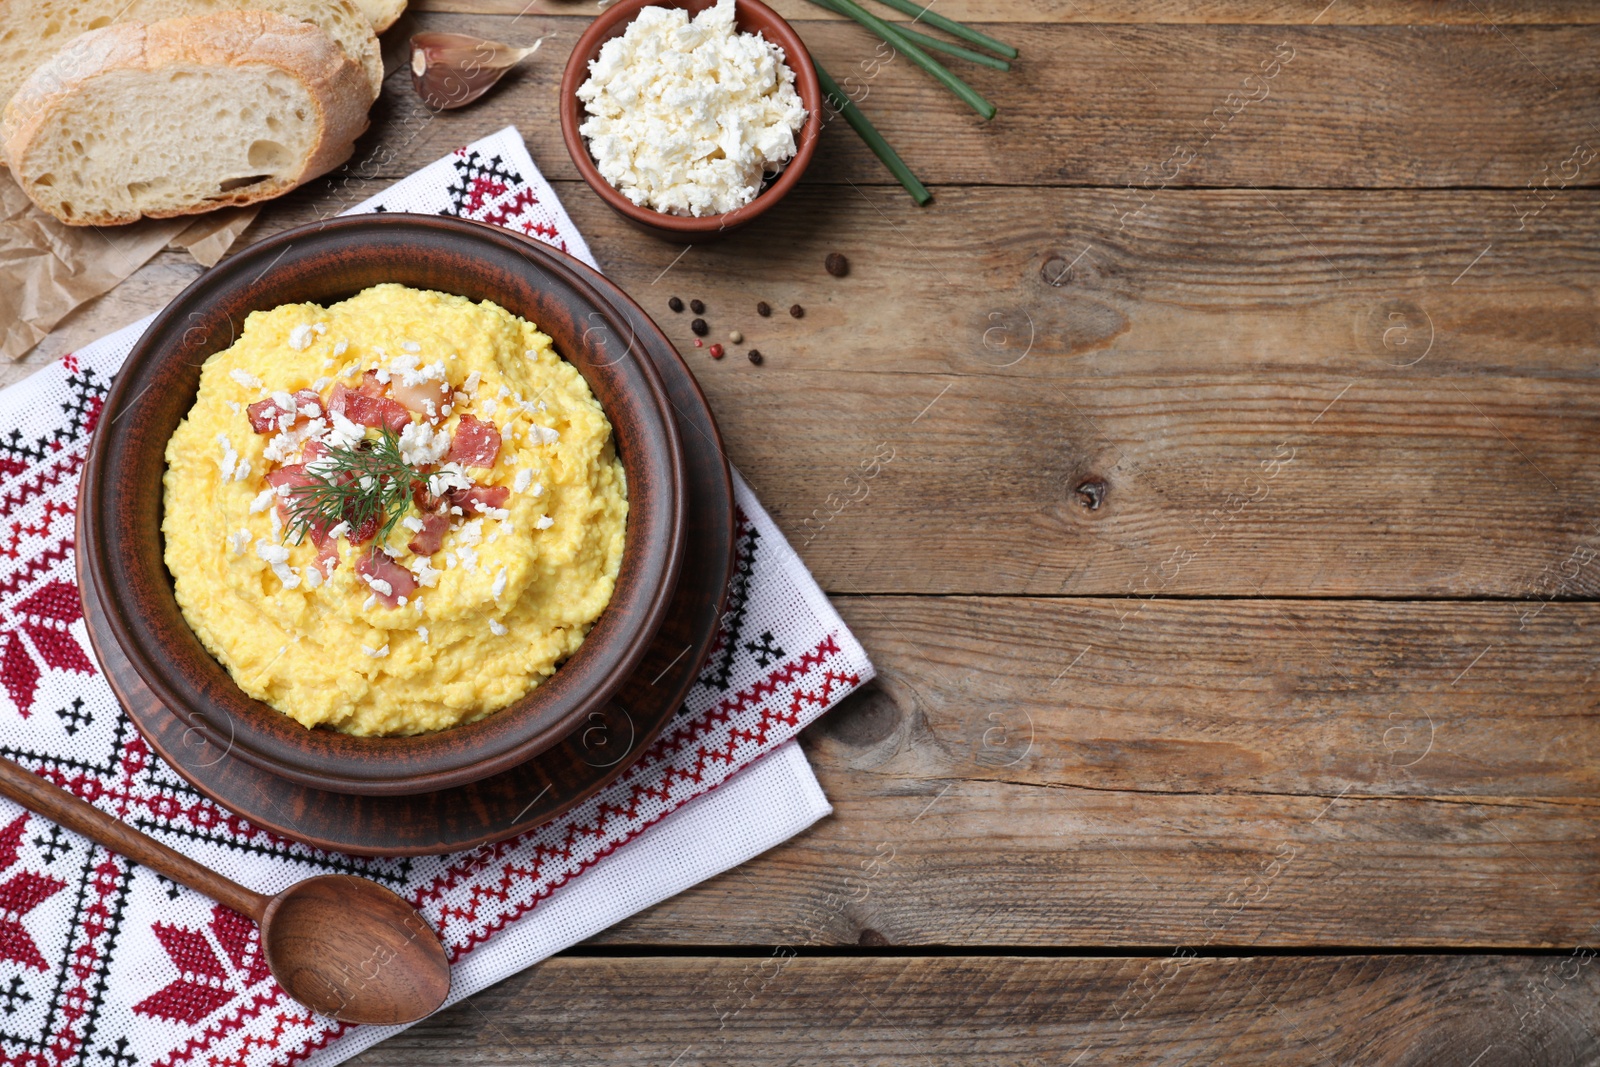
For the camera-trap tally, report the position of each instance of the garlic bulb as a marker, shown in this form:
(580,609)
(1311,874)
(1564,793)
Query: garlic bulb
(451,70)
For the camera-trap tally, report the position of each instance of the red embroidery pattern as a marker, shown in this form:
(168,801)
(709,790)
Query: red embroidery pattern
(206,978)
(19,895)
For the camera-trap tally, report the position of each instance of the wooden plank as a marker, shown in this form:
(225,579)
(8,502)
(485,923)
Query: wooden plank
(1164,12)
(1381,1011)
(1241,282)
(1200,773)
(1314,698)
(1358,106)
(1198,487)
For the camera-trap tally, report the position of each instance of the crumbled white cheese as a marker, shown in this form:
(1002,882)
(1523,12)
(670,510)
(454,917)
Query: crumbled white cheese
(427,576)
(487,407)
(322,383)
(421,445)
(229,463)
(687,117)
(284,401)
(538,489)
(376,653)
(287,443)
(497,628)
(544,435)
(469,556)
(277,557)
(277,524)
(504,392)
(344,433)
(411,346)
(370,602)
(544,522)
(341,530)
(313,576)
(340,347)
(263,500)
(470,386)
(382,374)
(379,586)
(412,374)
(239,540)
(300,337)
(238,408)
(245,378)
(470,533)
(310,409)
(320,327)
(422,632)
(499,588)
(524,478)
(449,476)
(412,523)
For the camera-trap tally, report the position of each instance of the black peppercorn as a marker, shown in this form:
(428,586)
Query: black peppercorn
(763,309)
(755,356)
(836,264)
(675,304)
(699,327)
(797,311)
(697,306)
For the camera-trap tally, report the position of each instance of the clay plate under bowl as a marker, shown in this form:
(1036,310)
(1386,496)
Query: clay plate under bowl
(749,16)
(326,262)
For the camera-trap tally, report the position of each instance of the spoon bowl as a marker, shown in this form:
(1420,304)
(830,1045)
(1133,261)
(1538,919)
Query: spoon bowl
(347,947)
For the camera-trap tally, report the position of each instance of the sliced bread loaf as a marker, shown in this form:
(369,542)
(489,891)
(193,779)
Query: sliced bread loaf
(183,116)
(32,30)
(382,13)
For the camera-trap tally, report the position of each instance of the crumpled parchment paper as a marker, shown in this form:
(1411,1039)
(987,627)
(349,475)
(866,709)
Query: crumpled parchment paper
(47,269)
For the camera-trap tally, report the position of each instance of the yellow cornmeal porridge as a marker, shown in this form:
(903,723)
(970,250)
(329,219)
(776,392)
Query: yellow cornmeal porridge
(485,453)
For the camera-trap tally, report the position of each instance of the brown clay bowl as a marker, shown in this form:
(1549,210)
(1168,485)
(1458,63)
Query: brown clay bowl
(750,16)
(327,261)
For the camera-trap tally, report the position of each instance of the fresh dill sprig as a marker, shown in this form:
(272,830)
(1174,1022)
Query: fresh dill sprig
(368,482)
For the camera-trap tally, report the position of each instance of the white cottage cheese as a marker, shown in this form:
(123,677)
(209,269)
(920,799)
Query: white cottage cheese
(687,117)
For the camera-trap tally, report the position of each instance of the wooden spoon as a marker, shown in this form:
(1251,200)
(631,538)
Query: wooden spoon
(342,946)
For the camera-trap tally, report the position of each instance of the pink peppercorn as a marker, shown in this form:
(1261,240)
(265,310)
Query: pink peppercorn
(716,351)
(699,343)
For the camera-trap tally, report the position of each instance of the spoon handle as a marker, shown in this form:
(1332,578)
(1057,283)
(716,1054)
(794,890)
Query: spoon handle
(38,795)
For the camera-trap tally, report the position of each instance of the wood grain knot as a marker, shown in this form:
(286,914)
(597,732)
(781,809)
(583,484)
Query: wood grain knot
(1092,493)
(863,718)
(872,939)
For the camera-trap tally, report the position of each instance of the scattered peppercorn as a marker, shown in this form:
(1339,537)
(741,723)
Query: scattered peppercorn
(699,327)
(675,304)
(716,351)
(755,356)
(699,343)
(836,264)
(763,309)
(697,306)
(797,311)
(735,336)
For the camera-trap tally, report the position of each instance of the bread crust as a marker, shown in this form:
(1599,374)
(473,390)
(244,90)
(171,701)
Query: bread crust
(346,13)
(338,87)
(382,13)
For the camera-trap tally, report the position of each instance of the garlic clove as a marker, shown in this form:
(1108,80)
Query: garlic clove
(451,70)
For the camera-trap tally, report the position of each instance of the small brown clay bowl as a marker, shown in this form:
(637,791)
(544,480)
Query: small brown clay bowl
(324,262)
(750,16)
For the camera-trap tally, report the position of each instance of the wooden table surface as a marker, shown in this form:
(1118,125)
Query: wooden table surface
(1230,566)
